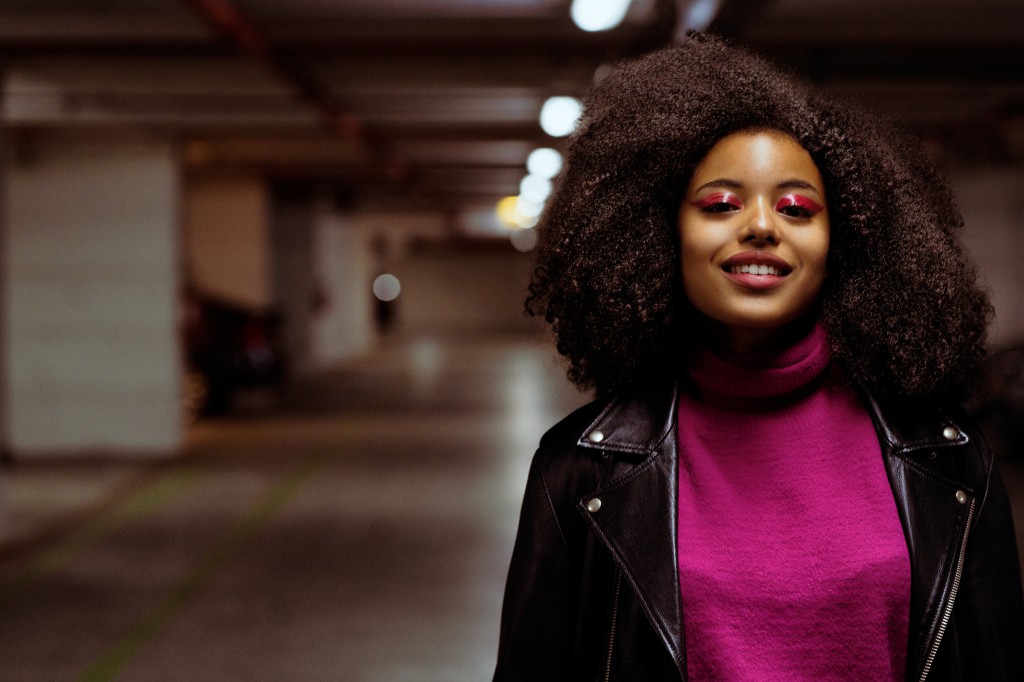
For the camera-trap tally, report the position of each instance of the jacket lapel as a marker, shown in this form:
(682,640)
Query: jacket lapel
(934,484)
(635,517)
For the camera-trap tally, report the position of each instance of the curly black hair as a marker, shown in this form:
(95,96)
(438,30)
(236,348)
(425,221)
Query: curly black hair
(901,305)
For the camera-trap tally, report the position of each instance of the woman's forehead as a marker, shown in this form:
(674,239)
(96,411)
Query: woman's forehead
(757,156)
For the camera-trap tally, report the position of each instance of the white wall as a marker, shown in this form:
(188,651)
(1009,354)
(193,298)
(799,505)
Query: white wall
(90,265)
(227,238)
(343,264)
(447,288)
(992,201)
(322,266)
(469,291)
(444,289)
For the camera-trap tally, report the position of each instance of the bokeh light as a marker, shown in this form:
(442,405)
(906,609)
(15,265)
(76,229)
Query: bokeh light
(515,212)
(529,207)
(558,115)
(524,240)
(386,287)
(535,188)
(701,13)
(544,162)
(598,15)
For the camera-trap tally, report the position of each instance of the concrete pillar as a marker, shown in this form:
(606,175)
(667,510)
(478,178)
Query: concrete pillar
(90,263)
(323,267)
(295,288)
(343,263)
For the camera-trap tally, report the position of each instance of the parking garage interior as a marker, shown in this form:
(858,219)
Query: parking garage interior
(269,395)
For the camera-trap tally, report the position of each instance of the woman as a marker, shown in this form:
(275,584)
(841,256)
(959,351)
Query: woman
(766,291)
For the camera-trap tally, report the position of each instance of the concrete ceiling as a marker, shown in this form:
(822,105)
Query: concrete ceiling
(433,104)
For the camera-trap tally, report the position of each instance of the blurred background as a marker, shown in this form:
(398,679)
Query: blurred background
(268,394)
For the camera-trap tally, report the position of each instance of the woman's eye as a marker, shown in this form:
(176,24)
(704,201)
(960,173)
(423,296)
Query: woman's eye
(797,206)
(719,207)
(794,211)
(717,203)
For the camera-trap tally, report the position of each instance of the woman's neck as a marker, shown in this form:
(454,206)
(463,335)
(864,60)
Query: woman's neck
(757,375)
(736,342)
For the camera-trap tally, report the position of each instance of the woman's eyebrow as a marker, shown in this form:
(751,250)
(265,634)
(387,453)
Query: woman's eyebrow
(727,183)
(796,184)
(721,182)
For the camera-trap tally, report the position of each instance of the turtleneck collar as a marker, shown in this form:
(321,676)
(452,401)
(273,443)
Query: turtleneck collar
(761,375)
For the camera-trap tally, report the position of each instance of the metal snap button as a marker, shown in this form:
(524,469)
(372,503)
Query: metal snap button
(594,505)
(596,436)
(950,433)
(961,497)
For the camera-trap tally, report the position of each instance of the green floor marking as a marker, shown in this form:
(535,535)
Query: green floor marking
(134,508)
(117,657)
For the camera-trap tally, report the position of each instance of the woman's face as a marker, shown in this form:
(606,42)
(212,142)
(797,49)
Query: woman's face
(754,236)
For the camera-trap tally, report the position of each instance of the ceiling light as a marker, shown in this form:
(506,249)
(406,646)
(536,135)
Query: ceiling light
(508,212)
(544,162)
(598,15)
(535,188)
(529,208)
(511,215)
(701,13)
(558,116)
(524,240)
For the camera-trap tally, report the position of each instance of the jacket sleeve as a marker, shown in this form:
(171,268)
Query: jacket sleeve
(990,613)
(537,622)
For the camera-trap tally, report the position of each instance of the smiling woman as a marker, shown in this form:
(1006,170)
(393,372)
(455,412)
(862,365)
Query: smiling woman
(767,290)
(754,236)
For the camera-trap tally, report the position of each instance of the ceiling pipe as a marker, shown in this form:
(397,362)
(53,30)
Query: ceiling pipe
(233,24)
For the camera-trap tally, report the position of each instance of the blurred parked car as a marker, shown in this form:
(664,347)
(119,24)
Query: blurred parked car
(228,347)
(1000,408)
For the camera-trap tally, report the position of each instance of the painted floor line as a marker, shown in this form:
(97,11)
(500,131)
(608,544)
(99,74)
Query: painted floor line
(110,664)
(136,507)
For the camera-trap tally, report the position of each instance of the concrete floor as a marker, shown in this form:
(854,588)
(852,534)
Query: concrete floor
(360,531)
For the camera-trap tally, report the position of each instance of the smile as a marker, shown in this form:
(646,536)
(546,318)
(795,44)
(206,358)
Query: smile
(756,267)
(751,269)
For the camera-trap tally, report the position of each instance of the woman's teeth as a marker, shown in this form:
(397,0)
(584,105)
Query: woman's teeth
(755,270)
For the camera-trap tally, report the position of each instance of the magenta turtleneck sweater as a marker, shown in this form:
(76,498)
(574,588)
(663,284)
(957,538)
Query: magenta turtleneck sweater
(792,561)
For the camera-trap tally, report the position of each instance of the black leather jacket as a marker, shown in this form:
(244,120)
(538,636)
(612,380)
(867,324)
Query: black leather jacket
(593,591)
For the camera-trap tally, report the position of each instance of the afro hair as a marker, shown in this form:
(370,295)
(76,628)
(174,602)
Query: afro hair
(901,305)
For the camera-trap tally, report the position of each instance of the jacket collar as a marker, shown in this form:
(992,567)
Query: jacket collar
(638,418)
(908,426)
(635,421)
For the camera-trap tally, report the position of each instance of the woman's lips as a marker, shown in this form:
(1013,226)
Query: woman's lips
(756,269)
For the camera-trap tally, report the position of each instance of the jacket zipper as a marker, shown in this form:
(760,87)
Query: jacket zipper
(611,633)
(948,611)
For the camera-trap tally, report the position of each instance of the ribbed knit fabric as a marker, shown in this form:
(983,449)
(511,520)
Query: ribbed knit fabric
(792,561)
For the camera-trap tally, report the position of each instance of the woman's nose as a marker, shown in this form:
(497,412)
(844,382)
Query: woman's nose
(761,227)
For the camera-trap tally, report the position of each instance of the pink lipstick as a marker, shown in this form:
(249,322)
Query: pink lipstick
(756,269)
